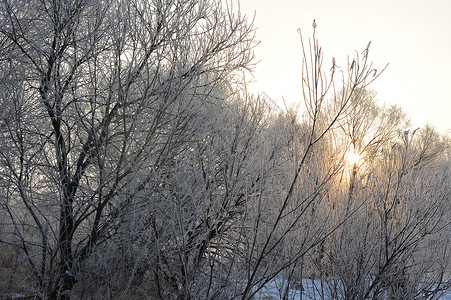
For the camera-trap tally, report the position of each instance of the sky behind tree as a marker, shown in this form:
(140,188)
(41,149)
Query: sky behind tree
(413,36)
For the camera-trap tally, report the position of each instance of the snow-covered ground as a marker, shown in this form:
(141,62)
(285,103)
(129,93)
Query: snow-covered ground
(274,290)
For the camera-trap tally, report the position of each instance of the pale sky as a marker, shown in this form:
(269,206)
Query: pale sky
(413,36)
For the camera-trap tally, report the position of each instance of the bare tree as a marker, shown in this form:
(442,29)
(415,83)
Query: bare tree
(280,239)
(396,246)
(97,99)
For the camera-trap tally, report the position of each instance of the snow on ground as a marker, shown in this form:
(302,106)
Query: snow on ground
(273,290)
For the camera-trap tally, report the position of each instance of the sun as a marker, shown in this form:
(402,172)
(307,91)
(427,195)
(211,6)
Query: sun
(353,157)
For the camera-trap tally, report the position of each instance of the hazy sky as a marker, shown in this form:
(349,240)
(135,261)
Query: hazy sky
(413,36)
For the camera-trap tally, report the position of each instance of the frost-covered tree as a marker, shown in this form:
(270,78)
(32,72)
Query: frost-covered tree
(295,215)
(97,99)
(396,244)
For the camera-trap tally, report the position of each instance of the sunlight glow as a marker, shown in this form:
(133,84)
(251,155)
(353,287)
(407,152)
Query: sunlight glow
(353,157)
